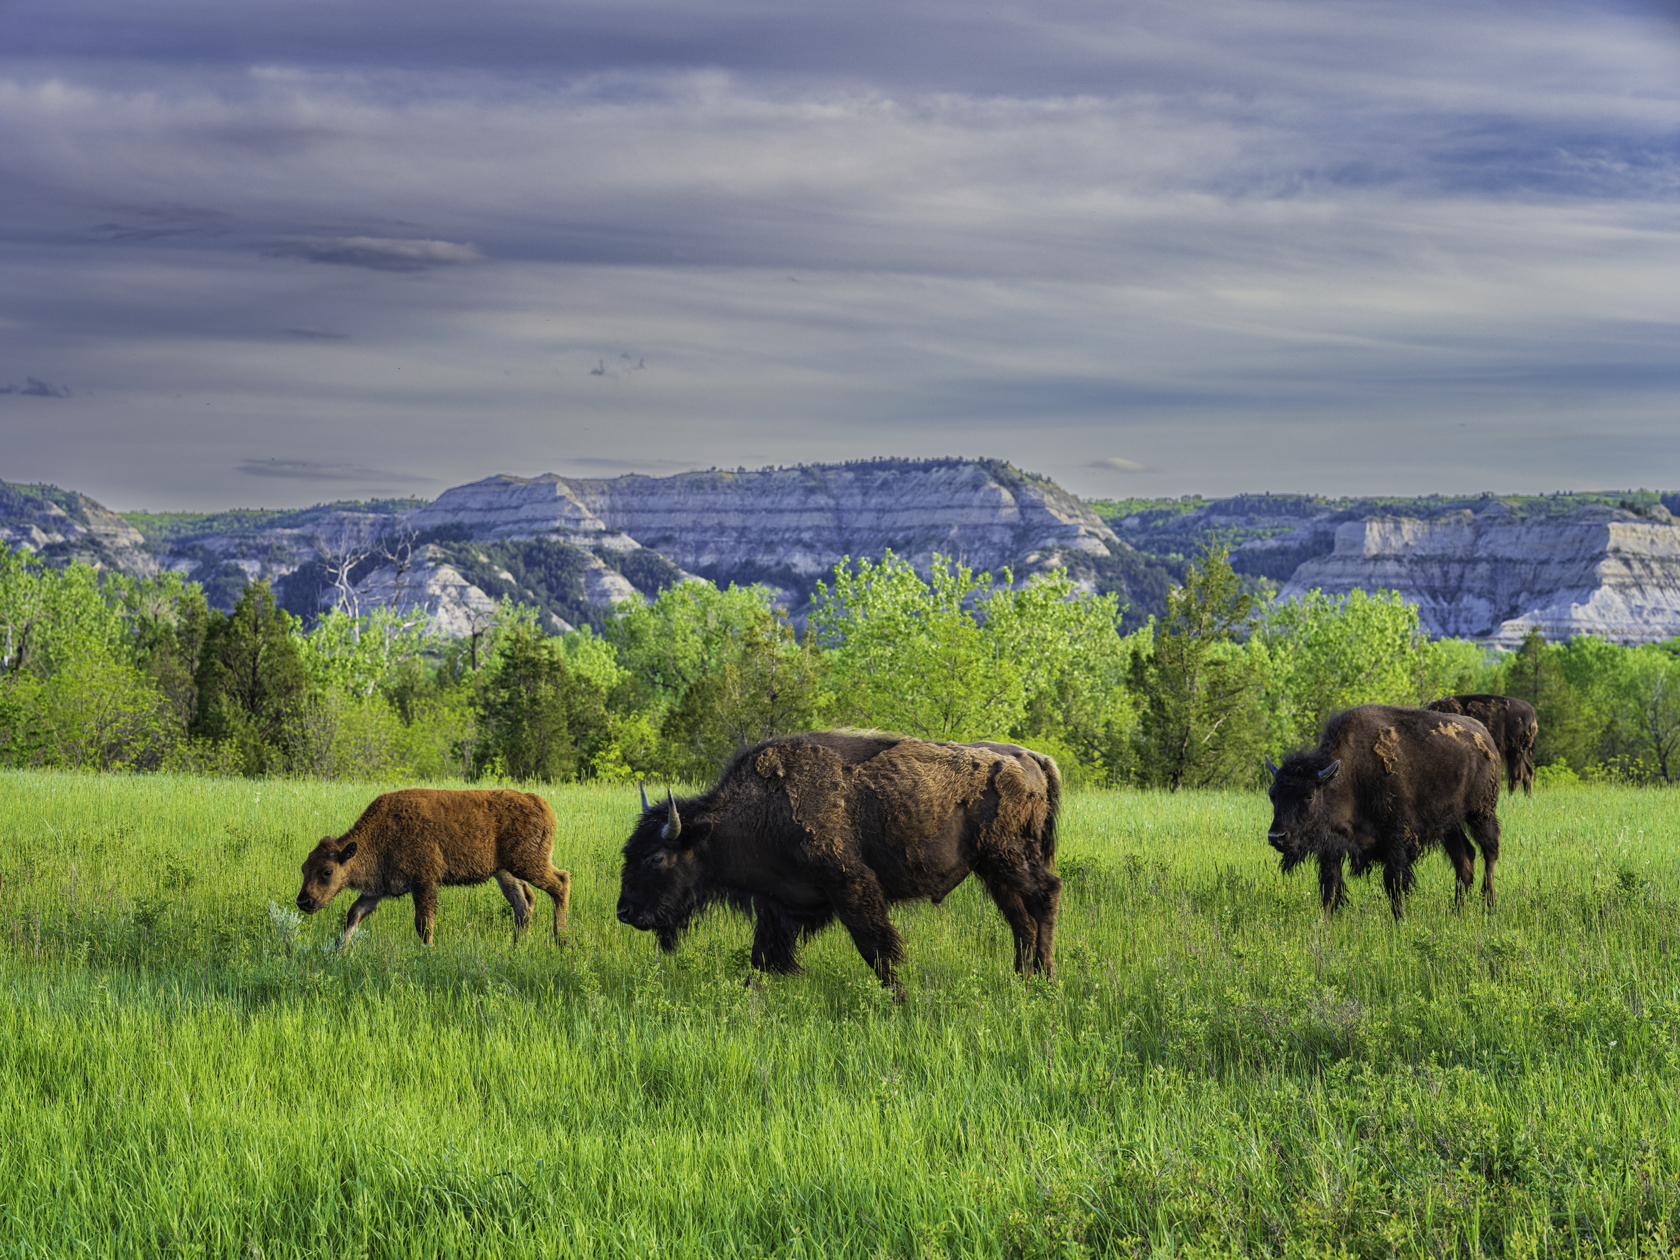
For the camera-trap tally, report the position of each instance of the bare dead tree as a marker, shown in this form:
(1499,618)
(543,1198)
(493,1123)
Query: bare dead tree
(339,559)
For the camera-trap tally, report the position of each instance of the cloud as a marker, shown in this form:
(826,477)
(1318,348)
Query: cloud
(35,388)
(1113,463)
(377,253)
(312,470)
(317,334)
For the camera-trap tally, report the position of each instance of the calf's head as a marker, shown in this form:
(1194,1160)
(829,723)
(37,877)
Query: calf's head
(1297,792)
(659,889)
(324,874)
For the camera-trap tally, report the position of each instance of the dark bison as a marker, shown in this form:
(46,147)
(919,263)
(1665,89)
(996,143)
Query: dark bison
(1514,728)
(804,829)
(415,840)
(1383,785)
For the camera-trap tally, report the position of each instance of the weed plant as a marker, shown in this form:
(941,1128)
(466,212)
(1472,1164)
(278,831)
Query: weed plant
(187,1068)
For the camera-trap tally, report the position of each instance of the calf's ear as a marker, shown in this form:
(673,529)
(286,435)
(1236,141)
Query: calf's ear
(1330,772)
(347,852)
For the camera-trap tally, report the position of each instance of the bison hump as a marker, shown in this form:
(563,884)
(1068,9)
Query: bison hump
(816,782)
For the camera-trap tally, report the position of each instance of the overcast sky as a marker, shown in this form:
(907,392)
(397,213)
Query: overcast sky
(270,254)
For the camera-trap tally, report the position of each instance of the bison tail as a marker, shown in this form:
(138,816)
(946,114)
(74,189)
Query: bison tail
(1053,775)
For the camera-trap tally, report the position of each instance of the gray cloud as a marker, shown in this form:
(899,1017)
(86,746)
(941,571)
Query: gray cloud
(376,252)
(1253,245)
(33,387)
(313,470)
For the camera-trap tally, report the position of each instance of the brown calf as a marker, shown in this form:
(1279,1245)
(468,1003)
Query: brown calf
(417,839)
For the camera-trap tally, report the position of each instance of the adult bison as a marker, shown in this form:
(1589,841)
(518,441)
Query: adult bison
(804,829)
(1384,785)
(417,839)
(1514,728)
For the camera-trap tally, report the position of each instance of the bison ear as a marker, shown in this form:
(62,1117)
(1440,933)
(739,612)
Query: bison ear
(1329,772)
(347,852)
(695,831)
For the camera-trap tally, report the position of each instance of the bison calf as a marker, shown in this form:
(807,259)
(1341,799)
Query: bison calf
(806,829)
(418,839)
(1383,786)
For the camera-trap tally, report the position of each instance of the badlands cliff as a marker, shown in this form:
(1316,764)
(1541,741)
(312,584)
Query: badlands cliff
(1493,574)
(789,526)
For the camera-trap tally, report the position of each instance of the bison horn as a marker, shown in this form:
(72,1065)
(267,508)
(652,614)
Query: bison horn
(1270,766)
(673,826)
(642,788)
(1329,772)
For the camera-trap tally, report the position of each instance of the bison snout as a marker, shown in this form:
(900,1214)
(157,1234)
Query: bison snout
(1279,840)
(306,904)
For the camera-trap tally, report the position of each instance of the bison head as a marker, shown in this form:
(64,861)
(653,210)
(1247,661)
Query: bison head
(324,874)
(659,889)
(1295,792)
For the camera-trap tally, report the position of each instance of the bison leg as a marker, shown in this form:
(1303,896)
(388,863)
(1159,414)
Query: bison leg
(1463,859)
(773,940)
(860,904)
(425,910)
(518,895)
(558,886)
(1398,880)
(365,905)
(1332,892)
(1485,827)
(1029,898)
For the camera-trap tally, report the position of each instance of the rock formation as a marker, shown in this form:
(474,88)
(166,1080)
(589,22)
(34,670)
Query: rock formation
(1493,574)
(788,527)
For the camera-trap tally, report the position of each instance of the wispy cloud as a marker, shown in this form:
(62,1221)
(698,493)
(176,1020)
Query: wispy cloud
(312,470)
(1113,463)
(376,252)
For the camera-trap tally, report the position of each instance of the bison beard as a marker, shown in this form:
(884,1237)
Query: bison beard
(806,829)
(1385,785)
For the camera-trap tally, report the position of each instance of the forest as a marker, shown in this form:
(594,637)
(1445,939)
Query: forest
(103,671)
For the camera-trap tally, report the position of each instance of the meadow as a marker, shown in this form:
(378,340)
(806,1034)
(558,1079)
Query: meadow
(1215,1070)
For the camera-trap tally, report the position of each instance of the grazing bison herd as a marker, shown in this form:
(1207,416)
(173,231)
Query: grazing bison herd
(806,829)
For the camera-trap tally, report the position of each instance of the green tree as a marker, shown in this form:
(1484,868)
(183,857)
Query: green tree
(100,714)
(1325,653)
(1570,725)
(249,678)
(765,684)
(1200,723)
(541,720)
(909,656)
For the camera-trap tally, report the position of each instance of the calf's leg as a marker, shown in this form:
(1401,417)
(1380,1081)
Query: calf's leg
(518,895)
(365,905)
(558,885)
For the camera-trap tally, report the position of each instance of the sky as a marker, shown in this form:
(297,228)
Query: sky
(268,255)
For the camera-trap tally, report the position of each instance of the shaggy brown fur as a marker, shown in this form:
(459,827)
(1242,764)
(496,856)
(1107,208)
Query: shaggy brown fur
(805,829)
(415,840)
(1514,728)
(1384,785)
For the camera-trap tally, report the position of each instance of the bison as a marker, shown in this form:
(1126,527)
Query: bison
(1514,728)
(1383,785)
(414,840)
(804,829)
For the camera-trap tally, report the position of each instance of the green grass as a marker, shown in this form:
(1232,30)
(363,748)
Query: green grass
(1214,1070)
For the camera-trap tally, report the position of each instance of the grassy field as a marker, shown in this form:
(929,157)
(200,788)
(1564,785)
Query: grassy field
(1215,1069)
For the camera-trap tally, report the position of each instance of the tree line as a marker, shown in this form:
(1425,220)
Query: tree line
(103,671)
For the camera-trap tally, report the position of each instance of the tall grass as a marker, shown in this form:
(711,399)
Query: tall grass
(1216,1069)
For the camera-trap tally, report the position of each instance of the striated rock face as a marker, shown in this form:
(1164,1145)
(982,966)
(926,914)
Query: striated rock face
(788,527)
(454,605)
(1490,574)
(39,518)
